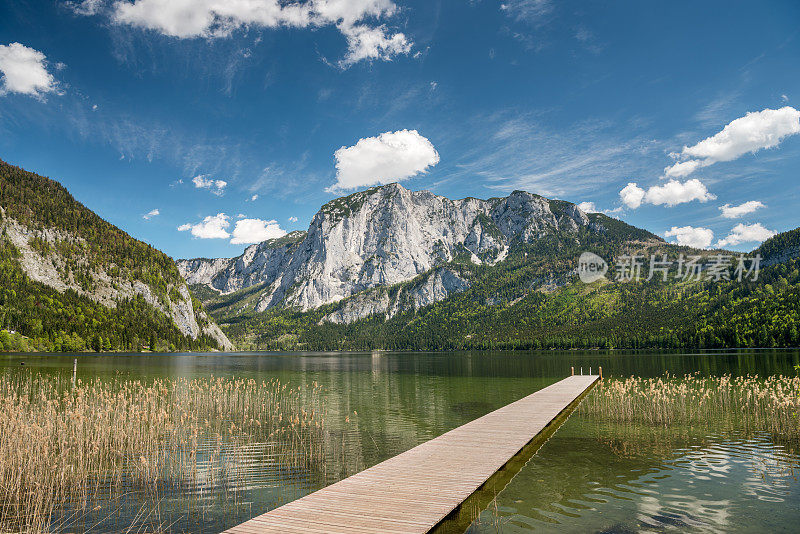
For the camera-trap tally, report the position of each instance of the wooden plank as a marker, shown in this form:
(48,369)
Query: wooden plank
(414,491)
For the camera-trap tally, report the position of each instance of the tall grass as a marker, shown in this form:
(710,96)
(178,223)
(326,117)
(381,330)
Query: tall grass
(746,403)
(62,447)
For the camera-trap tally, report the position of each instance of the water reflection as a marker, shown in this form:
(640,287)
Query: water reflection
(587,477)
(580,482)
(498,364)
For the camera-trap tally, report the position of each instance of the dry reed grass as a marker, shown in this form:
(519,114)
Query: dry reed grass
(746,403)
(61,447)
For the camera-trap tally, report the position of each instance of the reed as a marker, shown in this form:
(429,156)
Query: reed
(61,446)
(745,403)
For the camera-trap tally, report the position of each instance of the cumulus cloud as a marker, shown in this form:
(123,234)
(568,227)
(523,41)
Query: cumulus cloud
(632,195)
(751,133)
(211,227)
(249,231)
(204,182)
(215,19)
(754,131)
(390,157)
(734,212)
(293,219)
(746,233)
(671,193)
(150,214)
(24,71)
(588,207)
(690,236)
(246,231)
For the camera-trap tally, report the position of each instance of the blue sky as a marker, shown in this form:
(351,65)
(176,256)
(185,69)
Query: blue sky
(136,107)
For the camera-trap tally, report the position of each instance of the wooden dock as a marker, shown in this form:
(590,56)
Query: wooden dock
(414,491)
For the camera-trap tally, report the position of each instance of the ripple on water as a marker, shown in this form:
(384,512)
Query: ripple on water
(580,482)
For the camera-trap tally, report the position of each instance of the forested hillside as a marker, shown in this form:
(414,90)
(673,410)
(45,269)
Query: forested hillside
(44,319)
(70,280)
(535,300)
(37,202)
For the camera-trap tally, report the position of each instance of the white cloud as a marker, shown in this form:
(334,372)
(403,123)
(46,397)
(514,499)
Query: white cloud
(683,168)
(215,19)
(24,71)
(746,233)
(751,133)
(246,231)
(253,198)
(255,231)
(293,219)
(673,193)
(588,207)
(365,42)
(734,212)
(632,195)
(212,227)
(784,98)
(204,182)
(690,236)
(207,18)
(390,157)
(150,214)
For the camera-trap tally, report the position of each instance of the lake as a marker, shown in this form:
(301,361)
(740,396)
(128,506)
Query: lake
(589,476)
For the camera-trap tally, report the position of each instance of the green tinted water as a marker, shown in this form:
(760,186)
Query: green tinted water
(589,476)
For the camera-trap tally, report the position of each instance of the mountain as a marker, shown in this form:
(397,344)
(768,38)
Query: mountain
(533,300)
(384,254)
(69,280)
(388,235)
(385,268)
(390,268)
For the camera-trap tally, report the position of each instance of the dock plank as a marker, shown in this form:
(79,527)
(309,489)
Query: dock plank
(415,490)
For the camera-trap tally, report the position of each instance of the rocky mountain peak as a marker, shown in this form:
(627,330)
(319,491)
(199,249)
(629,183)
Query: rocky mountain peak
(382,236)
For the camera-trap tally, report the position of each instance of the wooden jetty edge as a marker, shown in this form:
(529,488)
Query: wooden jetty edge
(415,490)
